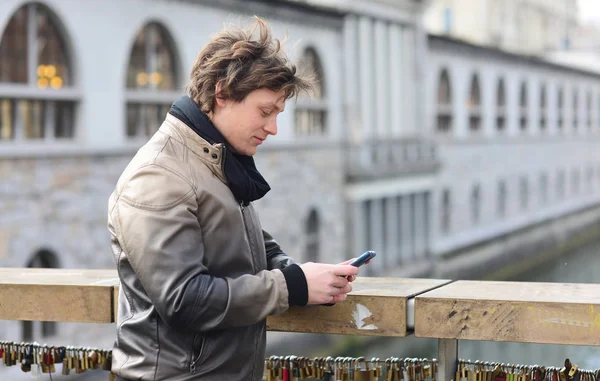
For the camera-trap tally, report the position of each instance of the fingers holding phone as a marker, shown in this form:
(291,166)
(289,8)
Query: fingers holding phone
(327,283)
(364,259)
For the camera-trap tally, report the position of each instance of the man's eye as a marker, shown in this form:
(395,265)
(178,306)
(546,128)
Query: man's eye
(265,113)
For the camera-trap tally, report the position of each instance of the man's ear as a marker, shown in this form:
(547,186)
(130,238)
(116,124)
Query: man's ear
(219,100)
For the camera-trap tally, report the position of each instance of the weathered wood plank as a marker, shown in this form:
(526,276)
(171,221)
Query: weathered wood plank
(375,307)
(551,313)
(57,295)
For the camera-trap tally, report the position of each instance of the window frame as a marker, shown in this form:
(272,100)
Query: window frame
(444,109)
(150,97)
(501,105)
(474,103)
(312,104)
(18,93)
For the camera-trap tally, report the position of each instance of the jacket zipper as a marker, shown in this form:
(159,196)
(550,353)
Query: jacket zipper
(196,358)
(243,208)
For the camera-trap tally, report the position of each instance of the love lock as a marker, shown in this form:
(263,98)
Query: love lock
(363,373)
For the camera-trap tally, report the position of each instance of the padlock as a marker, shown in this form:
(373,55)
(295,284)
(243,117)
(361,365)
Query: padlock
(362,373)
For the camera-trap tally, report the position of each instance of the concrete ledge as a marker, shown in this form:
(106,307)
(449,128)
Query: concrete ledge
(57,295)
(375,307)
(526,312)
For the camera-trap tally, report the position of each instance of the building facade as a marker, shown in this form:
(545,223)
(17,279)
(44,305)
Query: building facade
(84,84)
(517,138)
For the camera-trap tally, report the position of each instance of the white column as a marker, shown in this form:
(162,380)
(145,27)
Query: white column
(419,225)
(406,227)
(366,70)
(489,111)
(513,108)
(359,239)
(420,63)
(409,93)
(460,82)
(391,227)
(582,110)
(352,112)
(382,94)
(395,78)
(534,109)
(376,234)
(427,220)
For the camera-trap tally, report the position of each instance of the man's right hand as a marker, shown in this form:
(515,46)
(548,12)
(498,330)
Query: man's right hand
(327,283)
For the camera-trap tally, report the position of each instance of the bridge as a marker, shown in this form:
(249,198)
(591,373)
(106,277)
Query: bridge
(447,310)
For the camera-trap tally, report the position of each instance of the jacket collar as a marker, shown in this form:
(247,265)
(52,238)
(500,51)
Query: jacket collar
(240,172)
(211,155)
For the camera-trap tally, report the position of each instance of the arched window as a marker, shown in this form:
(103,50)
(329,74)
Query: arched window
(588,108)
(501,203)
(543,108)
(446,217)
(475,204)
(311,112)
(34,60)
(31,330)
(575,181)
(575,108)
(524,190)
(560,185)
(543,188)
(560,109)
(590,178)
(501,105)
(474,104)
(313,230)
(523,106)
(152,78)
(444,103)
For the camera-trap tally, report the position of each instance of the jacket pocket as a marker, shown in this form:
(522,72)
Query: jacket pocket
(198,345)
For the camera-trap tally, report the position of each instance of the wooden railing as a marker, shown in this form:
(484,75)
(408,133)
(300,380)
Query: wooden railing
(551,313)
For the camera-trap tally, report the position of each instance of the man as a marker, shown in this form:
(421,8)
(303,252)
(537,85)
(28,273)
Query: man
(198,274)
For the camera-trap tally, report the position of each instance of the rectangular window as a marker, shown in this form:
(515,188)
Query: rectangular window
(64,124)
(143,120)
(7,125)
(32,115)
(310,122)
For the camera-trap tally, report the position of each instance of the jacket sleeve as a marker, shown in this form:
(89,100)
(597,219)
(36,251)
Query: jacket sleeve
(156,223)
(276,258)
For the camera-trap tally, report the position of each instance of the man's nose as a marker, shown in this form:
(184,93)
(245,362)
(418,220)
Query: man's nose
(271,127)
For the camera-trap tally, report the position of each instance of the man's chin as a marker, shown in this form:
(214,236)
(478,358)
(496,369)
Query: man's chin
(251,151)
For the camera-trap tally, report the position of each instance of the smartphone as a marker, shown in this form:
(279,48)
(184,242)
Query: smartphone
(364,258)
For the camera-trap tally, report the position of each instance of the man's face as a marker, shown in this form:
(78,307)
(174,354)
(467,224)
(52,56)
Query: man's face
(247,124)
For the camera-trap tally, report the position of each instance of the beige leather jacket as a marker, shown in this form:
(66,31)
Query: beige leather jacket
(198,274)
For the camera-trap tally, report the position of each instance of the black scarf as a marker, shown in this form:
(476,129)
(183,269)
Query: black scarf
(244,180)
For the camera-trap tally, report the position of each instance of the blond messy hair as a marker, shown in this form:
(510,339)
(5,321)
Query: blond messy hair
(242,64)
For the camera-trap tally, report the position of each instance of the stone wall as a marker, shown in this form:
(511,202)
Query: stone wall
(59,204)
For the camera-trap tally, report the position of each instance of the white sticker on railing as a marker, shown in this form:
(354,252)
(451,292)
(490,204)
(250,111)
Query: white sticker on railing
(360,314)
